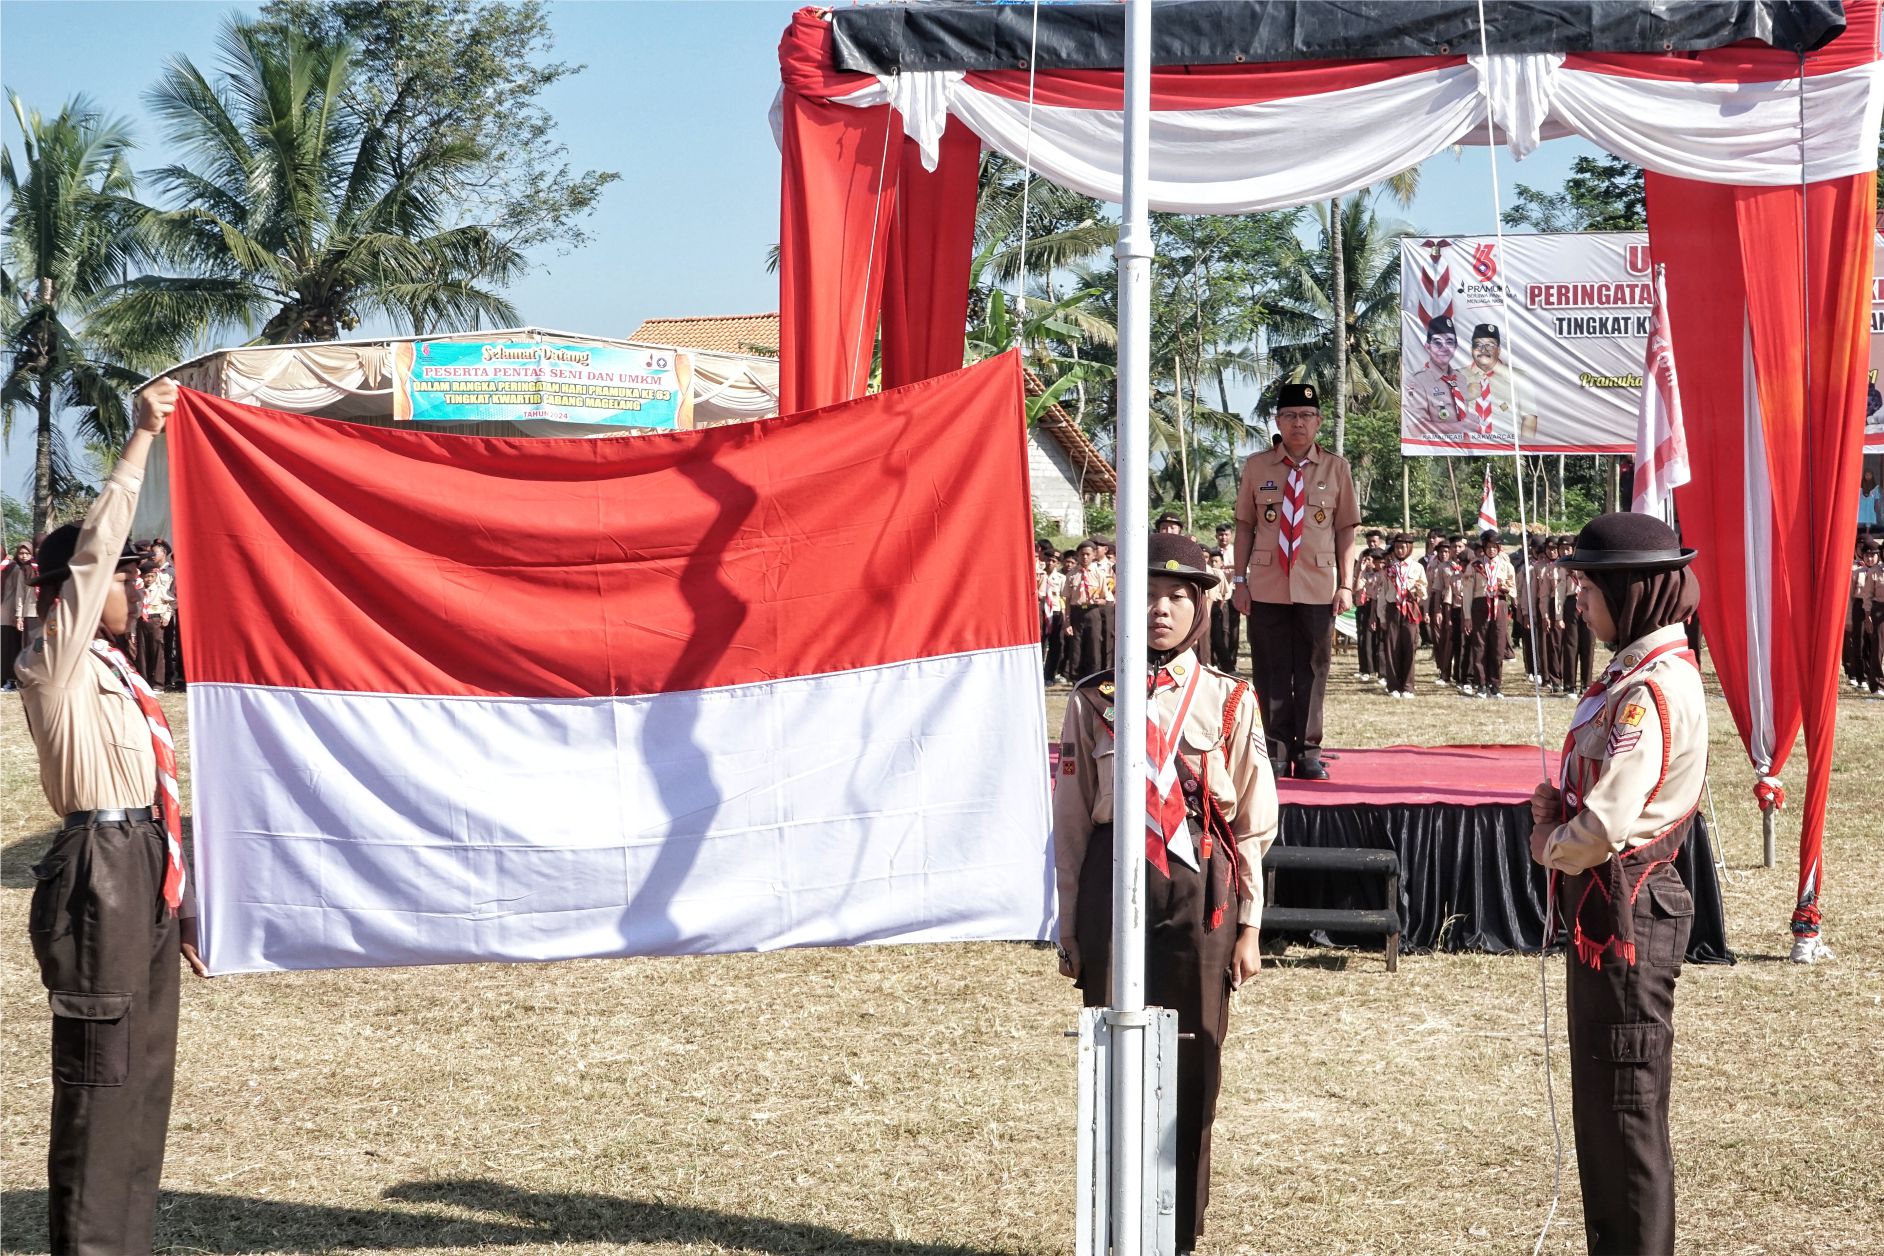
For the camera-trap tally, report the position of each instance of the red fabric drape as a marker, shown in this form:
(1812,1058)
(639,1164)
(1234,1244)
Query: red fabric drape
(932,244)
(837,200)
(1736,274)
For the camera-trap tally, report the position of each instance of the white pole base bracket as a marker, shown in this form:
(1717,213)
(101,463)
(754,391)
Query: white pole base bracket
(1158,1081)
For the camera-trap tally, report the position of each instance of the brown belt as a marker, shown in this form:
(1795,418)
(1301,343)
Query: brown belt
(113,815)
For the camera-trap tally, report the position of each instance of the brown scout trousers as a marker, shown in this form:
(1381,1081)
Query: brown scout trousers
(107,952)
(1290,644)
(1622,1040)
(1399,641)
(1491,628)
(1187,969)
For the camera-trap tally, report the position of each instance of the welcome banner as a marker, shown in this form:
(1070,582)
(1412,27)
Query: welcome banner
(463,699)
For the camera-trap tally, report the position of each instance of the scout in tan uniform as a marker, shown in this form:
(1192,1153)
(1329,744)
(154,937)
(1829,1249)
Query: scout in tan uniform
(1204,841)
(1434,404)
(1442,576)
(1545,583)
(1634,766)
(1490,585)
(111,906)
(1871,618)
(1296,515)
(1491,404)
(1403,606)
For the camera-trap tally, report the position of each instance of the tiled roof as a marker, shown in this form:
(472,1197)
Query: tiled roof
(1096,475)
(730,333)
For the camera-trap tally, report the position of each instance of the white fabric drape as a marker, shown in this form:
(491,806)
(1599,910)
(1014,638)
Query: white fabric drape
(1223,160)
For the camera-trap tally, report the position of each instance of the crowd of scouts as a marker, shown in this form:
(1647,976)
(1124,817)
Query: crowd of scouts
(1864,625)
(112,918)
(153,641)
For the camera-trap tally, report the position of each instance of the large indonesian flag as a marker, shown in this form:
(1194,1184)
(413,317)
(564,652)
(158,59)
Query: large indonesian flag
(457,699)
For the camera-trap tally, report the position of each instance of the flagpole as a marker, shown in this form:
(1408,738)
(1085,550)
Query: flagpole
(1127,1015)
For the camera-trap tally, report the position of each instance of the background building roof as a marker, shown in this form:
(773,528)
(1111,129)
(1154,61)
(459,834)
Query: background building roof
(726,333)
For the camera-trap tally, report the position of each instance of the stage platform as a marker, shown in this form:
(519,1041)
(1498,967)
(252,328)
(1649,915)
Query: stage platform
(1464,776)
(1460,819)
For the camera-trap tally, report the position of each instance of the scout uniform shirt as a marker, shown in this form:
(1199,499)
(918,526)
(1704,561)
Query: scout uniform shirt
(1435,401)
(1636,758)
(1493,578)
(1493,407)
(1544,585)
(1237,774)
(1328,506)
(94,744)
(1406,578)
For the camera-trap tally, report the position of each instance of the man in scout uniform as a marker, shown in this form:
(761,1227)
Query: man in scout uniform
(1490,585)
(1296,516)
(1544,611)
(1871,616)
(1090,646)
(1491,409)
(1403,588)
(1435,398)
(1441,575)
(1634,766)
(1209,817)
(112,907)
(1230,622)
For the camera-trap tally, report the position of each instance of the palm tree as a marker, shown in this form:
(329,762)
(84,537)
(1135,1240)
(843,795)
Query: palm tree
(71,234)
(287,214)
(1364,361)
(1401,187)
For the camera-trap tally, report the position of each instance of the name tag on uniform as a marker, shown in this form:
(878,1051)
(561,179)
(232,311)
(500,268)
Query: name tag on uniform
(1269,484)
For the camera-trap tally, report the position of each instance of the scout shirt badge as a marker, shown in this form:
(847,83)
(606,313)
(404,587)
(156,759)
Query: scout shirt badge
(1321,516)
(1269,514)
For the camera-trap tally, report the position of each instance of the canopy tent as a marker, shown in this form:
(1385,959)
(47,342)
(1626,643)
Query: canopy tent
(1757,120)
(353,380)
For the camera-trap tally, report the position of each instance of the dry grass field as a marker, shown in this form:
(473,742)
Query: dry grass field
(920,1100)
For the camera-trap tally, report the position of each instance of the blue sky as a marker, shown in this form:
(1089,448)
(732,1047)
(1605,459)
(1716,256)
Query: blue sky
(675,98)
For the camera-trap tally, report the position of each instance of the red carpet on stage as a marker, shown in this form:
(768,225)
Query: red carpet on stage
(1466,776)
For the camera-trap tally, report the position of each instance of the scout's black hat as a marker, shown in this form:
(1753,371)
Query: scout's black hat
(1622,539)
(1168,517)
(1401,538)
(1491,536)
(1487,331)
(55,554)
(1439,325)
(1297,395)
(1869,545)
(1176,555)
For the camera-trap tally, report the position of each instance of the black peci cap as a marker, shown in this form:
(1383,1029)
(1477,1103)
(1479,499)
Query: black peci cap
(1288,395)
(1622,539)
(1439,325)
(1487,331)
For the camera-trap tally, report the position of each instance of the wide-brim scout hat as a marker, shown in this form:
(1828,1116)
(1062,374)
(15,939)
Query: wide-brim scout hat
(1624,539)
(1168,518)
(1402,538)
(55,554)
(1178,556)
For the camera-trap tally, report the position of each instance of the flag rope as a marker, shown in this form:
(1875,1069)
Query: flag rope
(1537,691)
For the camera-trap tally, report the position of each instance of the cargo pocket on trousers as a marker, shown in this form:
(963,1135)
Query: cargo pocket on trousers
(1672,921)
(1638,1054)
(91,1038)
(45,904)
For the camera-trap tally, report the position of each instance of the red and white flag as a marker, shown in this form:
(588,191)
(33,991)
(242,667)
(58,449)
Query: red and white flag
(1661,442)
(463,699)
(1487,506)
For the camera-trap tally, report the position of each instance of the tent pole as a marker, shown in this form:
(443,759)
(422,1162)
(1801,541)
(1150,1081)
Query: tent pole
(1128,1017)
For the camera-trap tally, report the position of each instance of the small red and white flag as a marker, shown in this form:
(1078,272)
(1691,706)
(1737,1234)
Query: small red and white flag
(1661,442)
(1487,506)
(461,698)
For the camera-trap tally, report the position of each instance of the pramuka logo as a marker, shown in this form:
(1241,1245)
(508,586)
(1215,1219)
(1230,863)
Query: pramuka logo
(1485,261)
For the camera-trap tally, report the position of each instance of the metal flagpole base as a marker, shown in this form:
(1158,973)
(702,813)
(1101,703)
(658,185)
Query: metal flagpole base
(1099,1030)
